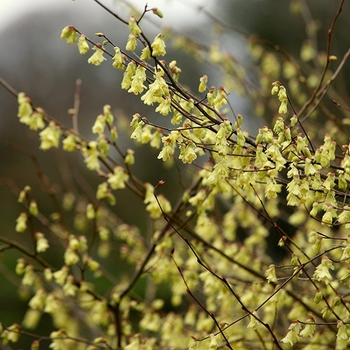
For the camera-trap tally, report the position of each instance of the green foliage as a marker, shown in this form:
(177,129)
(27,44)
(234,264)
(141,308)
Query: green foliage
(207,275)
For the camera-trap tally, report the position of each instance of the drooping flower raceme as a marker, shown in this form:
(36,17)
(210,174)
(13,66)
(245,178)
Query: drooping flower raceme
(145,54)
(132,43)
(98,127)
(280,90)
(69,34)
(70,143)
(97,58)
(118,59)
(322,270)
(134,27)
(221,136)
(154,207)
(187,153)
(137,81)
(203,81)
(158,90)
(169,144)
(21,222)
(50,137)
(158,46)
(293,335)
(118,179)
(83,46)
(42,244)
(33,118)
(91,154)
(128,75)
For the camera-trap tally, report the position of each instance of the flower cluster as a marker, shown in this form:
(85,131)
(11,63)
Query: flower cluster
(33,118)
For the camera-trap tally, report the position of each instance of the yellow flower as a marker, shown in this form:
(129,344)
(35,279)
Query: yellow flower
(203,83)
(25,109)
(69,34)
(90,211)
(137,81)
(132,42)
(157,91)
(322,270)
(99,125)
(293,335)
(38,300)
(37,120)
(21,222)
(129,157)
(42,244)
(29,276)
(118,178)
(145,53)
(158,46)
(97,58)
(118,59)
(133,26)
(128,74)
(102,190)
(164,106)
(92,154)
(83,46)
(61,275)
(187,153)
(50,136)
(70,143)
(69,288)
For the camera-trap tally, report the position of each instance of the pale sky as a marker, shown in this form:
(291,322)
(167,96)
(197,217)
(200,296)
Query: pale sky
(175,11)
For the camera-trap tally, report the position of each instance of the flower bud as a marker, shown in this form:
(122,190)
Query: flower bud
(157,12)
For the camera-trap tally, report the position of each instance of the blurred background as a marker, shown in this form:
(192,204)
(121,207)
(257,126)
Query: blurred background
(34,59)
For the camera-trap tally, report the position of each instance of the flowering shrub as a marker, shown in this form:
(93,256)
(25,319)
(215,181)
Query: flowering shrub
(210,248)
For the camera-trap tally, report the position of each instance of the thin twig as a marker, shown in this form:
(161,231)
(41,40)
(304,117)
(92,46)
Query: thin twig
(76,105)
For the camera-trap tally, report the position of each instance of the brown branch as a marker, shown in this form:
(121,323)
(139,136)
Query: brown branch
(330,33)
